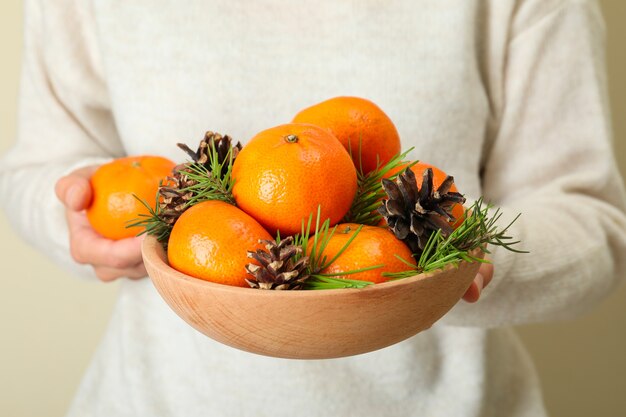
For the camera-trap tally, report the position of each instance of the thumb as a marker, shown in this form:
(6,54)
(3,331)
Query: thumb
(74,190)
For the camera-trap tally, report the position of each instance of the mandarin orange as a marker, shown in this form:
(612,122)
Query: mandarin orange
(284,173)
(372,246)
(357,123)
(210,241)
(113,186)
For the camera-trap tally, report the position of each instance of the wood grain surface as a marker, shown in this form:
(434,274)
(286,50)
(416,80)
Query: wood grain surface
(317,324)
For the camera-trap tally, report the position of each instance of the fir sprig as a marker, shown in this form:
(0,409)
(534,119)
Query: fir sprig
(215,183)
(478,230)
(326,282)
(152,223)
(314,246)
(370,191)
(207,181)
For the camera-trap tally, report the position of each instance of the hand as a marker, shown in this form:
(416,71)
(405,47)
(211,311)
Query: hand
(482,279)
(111,259)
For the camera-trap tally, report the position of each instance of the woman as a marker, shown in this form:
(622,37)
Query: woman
(509,96)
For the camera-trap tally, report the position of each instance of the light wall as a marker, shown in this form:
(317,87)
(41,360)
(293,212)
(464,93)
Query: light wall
(50,323)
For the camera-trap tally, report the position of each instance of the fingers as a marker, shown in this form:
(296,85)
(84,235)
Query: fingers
(111,259)
(74,189)
(88,247)
(482,279)
(486,270)
(473,292)
(108,274)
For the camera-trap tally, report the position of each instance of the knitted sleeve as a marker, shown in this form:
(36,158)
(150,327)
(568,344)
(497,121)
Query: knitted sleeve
(64,123)
(552,160)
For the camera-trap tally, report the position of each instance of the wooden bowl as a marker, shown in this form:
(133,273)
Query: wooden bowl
(314,324)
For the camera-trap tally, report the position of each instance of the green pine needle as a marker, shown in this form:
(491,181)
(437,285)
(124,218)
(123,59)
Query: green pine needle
(477,231)
(326,282)
(314,246)
(210,184)
(151,223)
(213,183)
(370,191)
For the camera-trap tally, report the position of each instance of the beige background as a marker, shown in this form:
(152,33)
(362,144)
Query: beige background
(50,323)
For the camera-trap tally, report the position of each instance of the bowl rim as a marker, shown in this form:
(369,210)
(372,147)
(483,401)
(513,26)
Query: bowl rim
(154,253)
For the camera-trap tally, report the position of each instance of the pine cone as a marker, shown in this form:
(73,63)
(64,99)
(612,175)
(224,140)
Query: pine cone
(174,196)
(413,214)
(222,145)
(278,271)
(173,199)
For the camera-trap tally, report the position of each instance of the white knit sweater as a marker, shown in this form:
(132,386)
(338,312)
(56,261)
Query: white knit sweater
(508,96)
